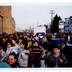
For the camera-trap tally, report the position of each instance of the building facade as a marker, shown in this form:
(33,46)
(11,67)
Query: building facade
(7,23)
(61,26)
(68,25)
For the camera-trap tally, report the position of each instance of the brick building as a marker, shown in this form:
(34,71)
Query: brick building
(7,23)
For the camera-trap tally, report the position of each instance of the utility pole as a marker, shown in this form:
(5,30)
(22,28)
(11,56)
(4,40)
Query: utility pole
(37,23)
(52,12)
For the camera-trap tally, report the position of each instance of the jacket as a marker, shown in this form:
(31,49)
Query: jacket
(23,59)
(52,61)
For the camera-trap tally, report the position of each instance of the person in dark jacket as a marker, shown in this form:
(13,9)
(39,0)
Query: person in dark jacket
(47,45)
(47,53)
(63,46)
(56,59)
(67,51)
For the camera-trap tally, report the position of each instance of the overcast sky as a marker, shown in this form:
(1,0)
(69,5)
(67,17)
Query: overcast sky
(32,14)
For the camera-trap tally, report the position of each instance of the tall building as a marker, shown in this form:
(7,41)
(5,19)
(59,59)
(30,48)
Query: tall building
(7,22)
(68,25)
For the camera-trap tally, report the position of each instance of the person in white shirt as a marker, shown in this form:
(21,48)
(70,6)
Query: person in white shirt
(2,54)
(68,38)
(23,58)
(9,49)
(16,47)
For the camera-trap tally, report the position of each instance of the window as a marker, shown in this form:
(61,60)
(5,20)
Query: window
(1,24)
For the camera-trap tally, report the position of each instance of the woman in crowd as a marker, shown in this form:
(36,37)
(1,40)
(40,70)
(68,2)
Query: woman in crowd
(30,58)
(16,46)
(20,40)
(12,60)
(23,58)
(9,49)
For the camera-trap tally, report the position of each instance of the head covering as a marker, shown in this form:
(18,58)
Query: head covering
(55,46)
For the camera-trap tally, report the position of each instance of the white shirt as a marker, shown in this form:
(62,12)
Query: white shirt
(9,50)
(68,38)
(16,48)
(23,59)
(2,53)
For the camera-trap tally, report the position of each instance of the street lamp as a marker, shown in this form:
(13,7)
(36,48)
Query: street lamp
(52,12)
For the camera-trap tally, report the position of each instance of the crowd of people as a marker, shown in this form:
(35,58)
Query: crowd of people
(52,50)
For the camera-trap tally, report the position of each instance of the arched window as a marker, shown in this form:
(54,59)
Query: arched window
(1,24)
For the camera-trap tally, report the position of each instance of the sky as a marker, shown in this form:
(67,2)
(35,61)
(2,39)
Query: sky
(32,14)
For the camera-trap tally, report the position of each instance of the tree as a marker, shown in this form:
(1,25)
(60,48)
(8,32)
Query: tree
(55,24)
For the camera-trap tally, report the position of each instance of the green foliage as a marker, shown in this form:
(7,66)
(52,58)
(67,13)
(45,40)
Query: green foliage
(55,24)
